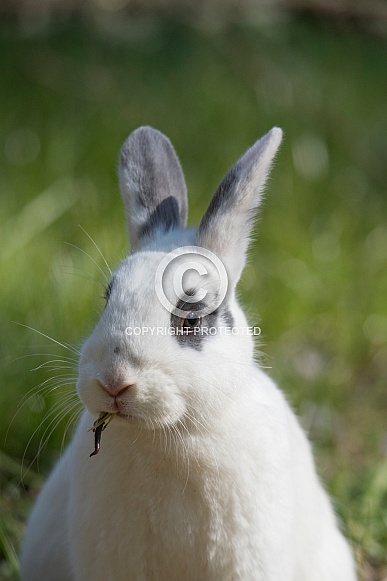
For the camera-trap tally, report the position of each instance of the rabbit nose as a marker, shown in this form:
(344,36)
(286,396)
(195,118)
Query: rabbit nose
(115,388)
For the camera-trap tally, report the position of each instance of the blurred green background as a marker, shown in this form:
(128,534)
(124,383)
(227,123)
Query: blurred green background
(214,77)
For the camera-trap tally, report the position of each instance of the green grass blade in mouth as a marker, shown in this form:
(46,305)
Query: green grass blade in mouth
(99,425)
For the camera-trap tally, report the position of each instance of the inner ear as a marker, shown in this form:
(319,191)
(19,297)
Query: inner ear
(152,186)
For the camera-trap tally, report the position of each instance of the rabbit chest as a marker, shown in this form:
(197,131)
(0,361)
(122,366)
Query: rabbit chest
(172,519)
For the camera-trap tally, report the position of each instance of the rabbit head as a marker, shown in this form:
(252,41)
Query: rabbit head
(164,349)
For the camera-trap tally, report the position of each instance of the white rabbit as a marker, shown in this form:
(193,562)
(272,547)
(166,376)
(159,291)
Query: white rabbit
(204,473)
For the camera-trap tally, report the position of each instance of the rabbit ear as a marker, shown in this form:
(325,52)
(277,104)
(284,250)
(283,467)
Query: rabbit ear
(227,224)
(152,185)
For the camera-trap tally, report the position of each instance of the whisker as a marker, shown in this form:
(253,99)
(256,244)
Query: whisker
(57,380)
(138,435)
(57,408)
(50,365)
(185,453)
(91,258)
(49,386)
(84,276)
(71,421)
(98,249)
(62,357)
(168,440)
(65,345)
(63,408)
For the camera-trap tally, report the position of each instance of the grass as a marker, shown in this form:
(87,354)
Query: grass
(317,279)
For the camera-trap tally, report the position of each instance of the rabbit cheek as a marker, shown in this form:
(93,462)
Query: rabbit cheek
(156,399)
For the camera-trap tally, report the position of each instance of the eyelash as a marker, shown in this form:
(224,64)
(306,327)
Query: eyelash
(108,291)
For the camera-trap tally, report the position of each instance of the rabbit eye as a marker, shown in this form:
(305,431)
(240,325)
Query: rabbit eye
(191,322)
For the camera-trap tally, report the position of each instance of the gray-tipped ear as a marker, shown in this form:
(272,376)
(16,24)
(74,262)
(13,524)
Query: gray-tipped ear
(152,185)
(227,224)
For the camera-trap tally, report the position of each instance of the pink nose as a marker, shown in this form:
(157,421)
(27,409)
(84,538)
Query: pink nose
(115,388)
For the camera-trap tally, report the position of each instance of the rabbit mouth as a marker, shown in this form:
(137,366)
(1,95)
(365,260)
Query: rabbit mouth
(124,416)
(118,410)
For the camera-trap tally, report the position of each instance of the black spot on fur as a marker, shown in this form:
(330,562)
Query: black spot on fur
(207,327)
(227,317)
(223,200)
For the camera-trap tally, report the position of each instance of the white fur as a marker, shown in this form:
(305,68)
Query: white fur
(210,478)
